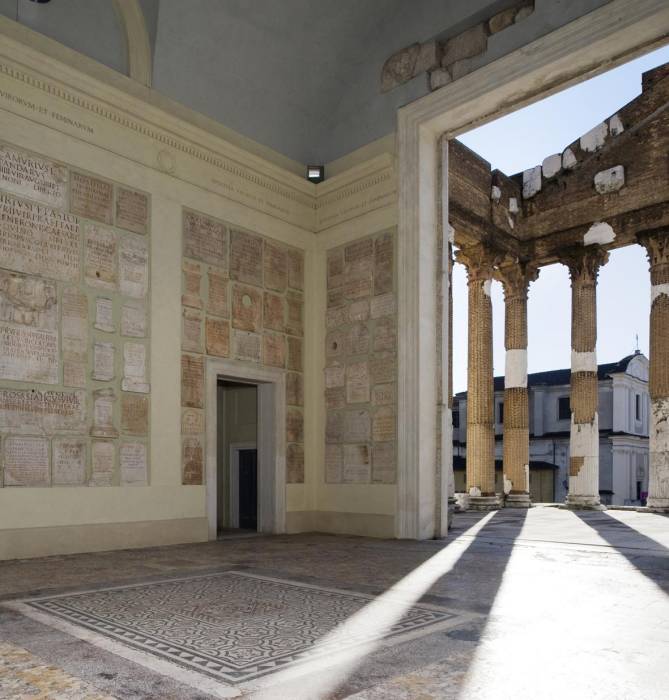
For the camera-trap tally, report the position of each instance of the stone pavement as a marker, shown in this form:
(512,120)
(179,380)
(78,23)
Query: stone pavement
(546,603)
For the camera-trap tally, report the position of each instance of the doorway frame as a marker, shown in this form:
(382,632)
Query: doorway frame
(592,44)
(270,440)
(233,479)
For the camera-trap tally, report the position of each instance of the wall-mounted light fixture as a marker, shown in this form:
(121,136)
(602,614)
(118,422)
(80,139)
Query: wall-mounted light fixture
(315,173)
(40,2)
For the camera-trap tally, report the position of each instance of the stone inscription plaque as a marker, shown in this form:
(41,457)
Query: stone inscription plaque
(294,313)
(38,240)
(103,361)
(104,315)
(295,464)
(33,177)
(69,462)
(383,264)
(102,463)
(26,461)
(91,198)
(134,368)
(192,276)
(295,268)
(100,258)
(358,310)
(383,367)
(357,426)
(217,337)
(132,456)
(134,267)
(246,261)
(383,395)
(274,350)
(218,302)
(294,389)
(333,464)
(103,413)
(192,460)
(246,346)
(295,354)
(191,330)
(132,210)
(384,424)
(334,426)
(358,340)
(28,411)
(335,376)
(205,239)
(273,312)
(383,305)
(276,267)
(335,265)
(357,467)
(357,382)
(28,354)
(385,337)
(134,414)
(294,425)
(133,321)
(192,381)
(75,337)
(384,463)
(246,308)
(335,397)
(192,421)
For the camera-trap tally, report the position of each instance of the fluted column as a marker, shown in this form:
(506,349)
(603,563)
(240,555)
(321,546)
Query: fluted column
(657,250)
(584,264)
(515,278)
(480,262)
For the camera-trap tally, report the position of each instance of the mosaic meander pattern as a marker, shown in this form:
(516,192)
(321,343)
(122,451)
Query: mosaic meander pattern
(231,626)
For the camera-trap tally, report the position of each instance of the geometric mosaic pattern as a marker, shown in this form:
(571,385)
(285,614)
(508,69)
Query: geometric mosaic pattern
(231,626)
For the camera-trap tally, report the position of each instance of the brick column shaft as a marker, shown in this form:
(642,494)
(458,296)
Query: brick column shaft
(657,250)
(516,278)
(584,264)
(480,262)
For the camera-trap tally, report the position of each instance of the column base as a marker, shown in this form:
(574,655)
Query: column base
(658,505)
(484,503)
(584,503)
(518,500)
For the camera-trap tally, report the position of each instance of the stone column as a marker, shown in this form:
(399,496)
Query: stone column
(516,278)
(656,244)
(584,264)
(480,262)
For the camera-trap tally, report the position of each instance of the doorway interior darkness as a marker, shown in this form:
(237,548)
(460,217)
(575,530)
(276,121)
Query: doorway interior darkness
(237,462)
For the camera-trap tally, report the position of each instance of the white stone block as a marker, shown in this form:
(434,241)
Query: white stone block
(600,232)
(495,193)
(439,78)
(657,290)
(615,125)
(515,369)
(552,165)
(583,361)
(610,180)
(568,159)
(594,139)
(451,234)
(513,205)
(486,287)
(531,181)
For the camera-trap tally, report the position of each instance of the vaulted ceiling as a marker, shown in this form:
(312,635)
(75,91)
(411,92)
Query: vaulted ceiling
(299,76)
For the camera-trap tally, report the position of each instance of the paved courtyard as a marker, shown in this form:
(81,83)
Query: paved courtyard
(540,604)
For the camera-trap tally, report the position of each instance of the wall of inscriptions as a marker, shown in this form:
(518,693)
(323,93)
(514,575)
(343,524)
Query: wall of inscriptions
(74,327)
(242,299)
(361,363)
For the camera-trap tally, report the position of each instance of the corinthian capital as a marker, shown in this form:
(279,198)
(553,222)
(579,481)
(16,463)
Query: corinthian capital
(515,276)
(480,260)
(656,244)
(584,262)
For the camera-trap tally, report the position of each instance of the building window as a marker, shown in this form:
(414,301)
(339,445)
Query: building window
(500,412)
(564,409)
(637,406)
(456,419)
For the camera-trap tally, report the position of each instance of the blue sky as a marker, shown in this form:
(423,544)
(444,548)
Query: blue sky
(522,140)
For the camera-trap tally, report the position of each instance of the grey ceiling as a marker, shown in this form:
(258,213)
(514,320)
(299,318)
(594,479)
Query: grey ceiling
(300,76)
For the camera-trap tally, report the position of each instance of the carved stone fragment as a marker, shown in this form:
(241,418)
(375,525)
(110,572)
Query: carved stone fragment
(246,258)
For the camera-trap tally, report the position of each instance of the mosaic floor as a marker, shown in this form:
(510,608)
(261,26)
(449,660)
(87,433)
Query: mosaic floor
(232,626)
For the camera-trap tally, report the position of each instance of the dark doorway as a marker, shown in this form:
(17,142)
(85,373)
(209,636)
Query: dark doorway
(248,489)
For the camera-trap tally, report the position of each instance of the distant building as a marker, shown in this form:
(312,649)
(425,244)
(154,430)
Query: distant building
(623,433)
